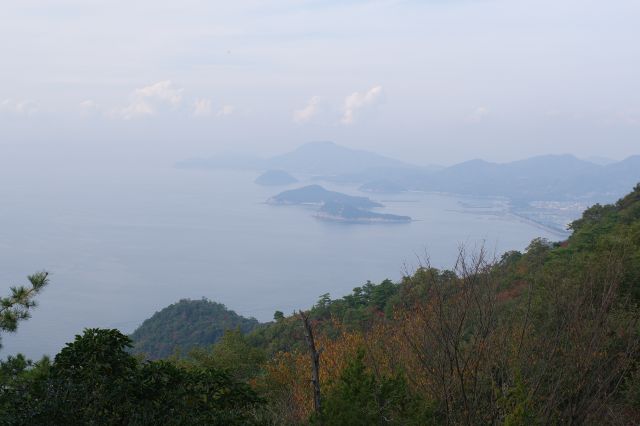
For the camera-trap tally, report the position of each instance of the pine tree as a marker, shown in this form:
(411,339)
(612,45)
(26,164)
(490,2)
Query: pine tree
(18,305)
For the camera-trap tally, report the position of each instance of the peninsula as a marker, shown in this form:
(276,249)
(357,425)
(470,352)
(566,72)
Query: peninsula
(345,213)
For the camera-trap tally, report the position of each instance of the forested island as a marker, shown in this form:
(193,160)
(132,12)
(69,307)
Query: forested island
(550,335)
(316,195)
(336,206)
(347,213)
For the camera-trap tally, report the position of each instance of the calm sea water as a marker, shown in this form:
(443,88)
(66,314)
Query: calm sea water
(120,247)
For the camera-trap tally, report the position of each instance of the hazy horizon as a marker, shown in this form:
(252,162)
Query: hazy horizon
(121,84)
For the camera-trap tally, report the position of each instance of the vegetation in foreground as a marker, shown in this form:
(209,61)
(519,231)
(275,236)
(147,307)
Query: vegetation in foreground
(549,336)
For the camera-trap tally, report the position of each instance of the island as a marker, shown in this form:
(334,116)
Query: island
(275,178)
(345,213)
(316,195)
(336,206)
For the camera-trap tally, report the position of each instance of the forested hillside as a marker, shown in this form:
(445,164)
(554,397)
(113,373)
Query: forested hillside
(186,324)
(548,336)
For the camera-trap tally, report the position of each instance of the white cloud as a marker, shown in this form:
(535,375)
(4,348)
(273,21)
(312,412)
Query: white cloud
(478,115)
(88,107)
(202,108)
(358,100)
(88,104)
(162,91)
(226,110)
(21,107)
(305,114)
(147,100)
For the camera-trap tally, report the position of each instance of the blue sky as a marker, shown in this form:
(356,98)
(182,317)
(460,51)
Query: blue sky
(426,81)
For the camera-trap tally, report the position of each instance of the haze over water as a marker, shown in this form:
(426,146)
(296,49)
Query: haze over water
(122,245)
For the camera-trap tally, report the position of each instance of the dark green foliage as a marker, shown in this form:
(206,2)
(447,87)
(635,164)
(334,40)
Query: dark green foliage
(17,306)
(283,335)
(232,354)
(23,384)
(359,397)
(185,325)
(94,380)
(356,311)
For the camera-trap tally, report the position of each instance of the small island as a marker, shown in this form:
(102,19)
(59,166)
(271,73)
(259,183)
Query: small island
(275,178)
(315,195)
(336,206)
(349,214)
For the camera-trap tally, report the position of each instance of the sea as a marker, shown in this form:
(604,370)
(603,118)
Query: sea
(121,245)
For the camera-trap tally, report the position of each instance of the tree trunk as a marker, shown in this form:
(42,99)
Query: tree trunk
(315,364)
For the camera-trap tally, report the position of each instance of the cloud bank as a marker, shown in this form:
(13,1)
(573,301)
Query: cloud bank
(21,107)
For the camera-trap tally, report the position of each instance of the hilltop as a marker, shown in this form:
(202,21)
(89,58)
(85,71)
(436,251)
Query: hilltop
(185,325)
(328,158)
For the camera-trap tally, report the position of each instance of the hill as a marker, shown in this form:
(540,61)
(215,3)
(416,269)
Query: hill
(542,178)
(275,178)
(549,333)
(186,324)
(328,158)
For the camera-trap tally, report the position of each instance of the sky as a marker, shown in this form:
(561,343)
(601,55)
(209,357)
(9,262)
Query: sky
(113,82)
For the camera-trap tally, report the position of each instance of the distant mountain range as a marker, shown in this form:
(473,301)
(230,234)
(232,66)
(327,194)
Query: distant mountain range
(542,178)
(327,158)
(313,158)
